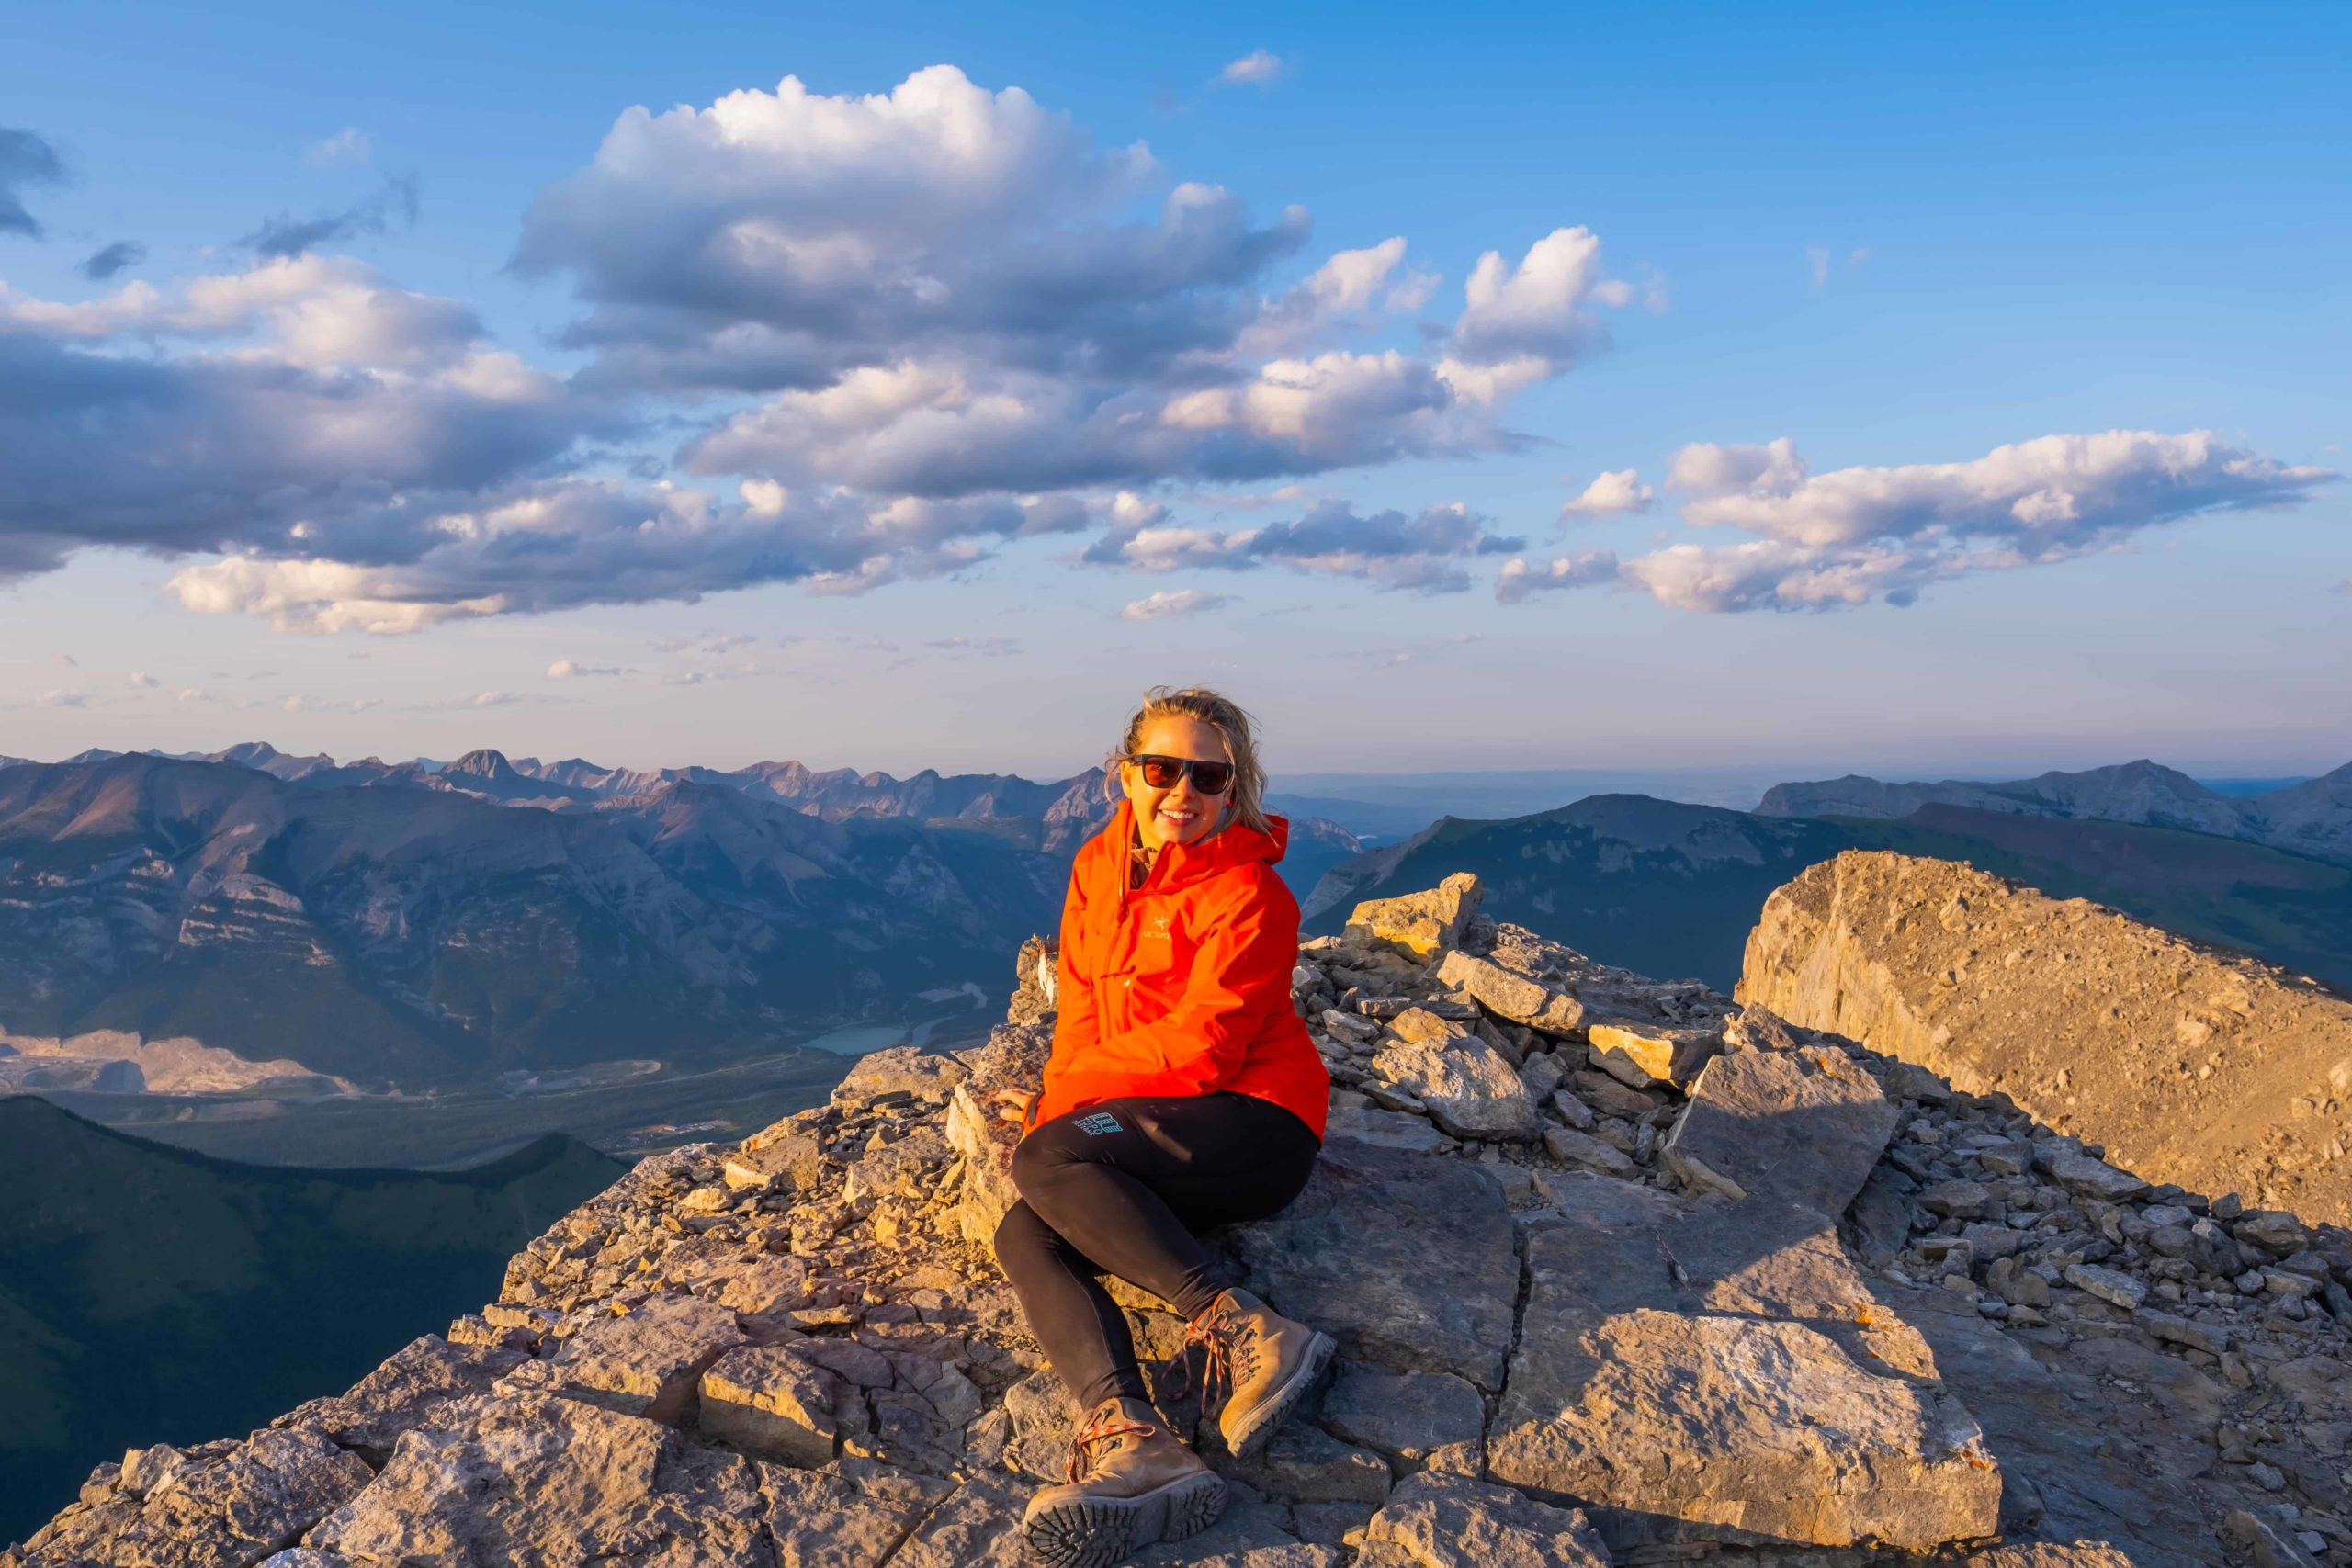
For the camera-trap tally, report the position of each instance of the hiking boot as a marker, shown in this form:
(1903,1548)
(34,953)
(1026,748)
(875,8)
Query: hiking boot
(1266,1359)
(1131,1483)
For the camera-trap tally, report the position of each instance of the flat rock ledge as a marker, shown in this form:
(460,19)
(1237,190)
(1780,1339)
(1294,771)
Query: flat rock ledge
(1620,1272)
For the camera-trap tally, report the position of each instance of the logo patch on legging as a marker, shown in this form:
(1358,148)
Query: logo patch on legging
(1098,1124)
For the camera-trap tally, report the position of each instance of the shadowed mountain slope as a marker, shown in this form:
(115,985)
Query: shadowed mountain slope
(148,1294)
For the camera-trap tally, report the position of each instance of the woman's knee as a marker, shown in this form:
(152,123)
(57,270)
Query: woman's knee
(1020,1236)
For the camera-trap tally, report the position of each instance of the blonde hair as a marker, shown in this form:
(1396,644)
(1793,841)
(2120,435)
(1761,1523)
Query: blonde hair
(1244,797)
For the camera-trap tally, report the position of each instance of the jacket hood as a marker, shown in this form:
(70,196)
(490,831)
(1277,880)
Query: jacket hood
(1182,865)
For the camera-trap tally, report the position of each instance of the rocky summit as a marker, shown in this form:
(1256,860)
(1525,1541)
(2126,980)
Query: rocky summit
(1622,1271)
(2195,1064)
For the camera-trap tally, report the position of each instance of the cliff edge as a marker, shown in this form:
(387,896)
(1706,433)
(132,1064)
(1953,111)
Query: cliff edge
(2191,1065)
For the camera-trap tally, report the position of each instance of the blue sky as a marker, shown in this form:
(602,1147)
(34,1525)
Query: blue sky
(1914,245)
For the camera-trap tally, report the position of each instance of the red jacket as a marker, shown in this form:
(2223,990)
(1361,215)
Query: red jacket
(1181,986)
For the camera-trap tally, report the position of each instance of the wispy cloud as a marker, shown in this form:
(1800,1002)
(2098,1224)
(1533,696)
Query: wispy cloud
(144,682)
(285,235)
(986,646)
(1182,601)
(1422,550)
(704,642)
(102,264)
(26,160)
(349,145)
(571,669)
(1256,69)
(303,704)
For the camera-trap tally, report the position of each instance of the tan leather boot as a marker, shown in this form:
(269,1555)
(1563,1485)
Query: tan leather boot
(1131,1483)
(1265,1359)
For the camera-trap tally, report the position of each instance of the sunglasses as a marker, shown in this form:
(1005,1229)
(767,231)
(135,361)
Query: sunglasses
(1161,772)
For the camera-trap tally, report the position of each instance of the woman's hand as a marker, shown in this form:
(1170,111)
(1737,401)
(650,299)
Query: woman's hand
(1014,1105)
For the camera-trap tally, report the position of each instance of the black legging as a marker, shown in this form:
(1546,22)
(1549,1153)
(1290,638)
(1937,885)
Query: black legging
(1117,1188)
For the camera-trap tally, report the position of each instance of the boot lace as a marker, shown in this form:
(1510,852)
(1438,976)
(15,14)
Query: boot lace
(1228,1352)
(1105,1425)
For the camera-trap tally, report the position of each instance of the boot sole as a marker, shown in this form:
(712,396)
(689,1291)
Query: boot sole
(1104,1531)
(1270,1415)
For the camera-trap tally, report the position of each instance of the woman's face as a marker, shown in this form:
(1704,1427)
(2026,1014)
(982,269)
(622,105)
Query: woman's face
(1178,814)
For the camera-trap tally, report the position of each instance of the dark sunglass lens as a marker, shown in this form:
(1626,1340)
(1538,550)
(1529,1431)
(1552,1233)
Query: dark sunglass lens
(1161,772)
(1212,778)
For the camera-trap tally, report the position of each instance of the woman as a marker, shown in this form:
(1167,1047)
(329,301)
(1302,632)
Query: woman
(1183,1092)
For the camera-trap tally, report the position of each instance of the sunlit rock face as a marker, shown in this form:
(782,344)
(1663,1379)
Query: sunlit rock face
(2188,1064)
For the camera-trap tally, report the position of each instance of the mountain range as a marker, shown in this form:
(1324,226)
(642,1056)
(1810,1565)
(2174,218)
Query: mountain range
(1668,887)
(2311,818)
(156,1295)
(407,923)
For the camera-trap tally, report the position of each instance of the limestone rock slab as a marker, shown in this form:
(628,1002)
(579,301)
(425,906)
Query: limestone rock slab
(902,1069)
(768,1402)
(404,1390)
(785,1156)
(538,1481)
(649,1362)
(1514,997)
(1469,1088)
(1408,1259)
(1419,925)
(1404,1416)
(1389,1129)
(1304,1465)
(1765,1432)
(1652,1056)
(2084,1176)
(1803,1126)
(1452,1521)
(854,1518)
(978,1527)
(224,1503)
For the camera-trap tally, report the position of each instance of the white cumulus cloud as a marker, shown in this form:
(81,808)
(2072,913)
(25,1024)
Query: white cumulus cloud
(1858,535)
(1611,495)
(843,341)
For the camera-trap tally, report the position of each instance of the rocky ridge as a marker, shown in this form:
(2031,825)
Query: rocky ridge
(1621,1271)
(2197,1066)
(2314,817)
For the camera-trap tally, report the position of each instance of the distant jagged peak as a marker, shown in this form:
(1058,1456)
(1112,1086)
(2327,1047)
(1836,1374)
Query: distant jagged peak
(264,758)
(483,763)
